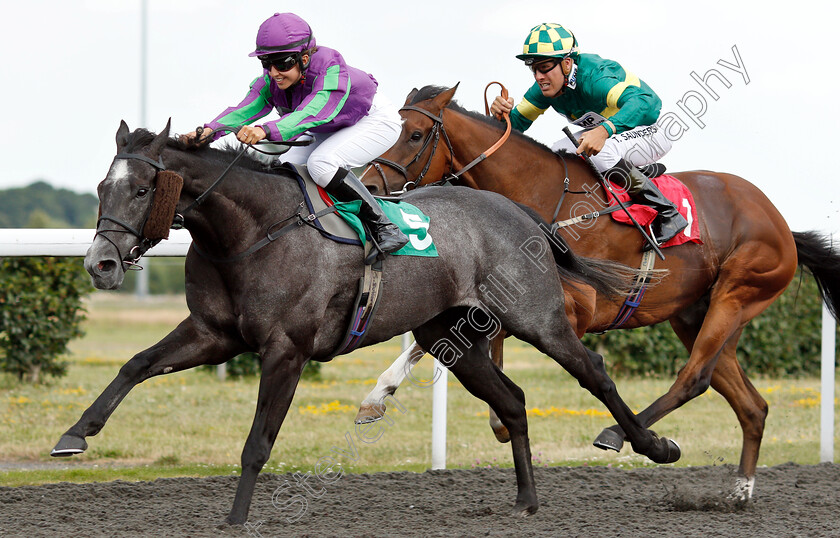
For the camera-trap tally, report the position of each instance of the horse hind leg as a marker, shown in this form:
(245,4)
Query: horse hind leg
(559,342)
(730,381)
(712,342)
(473,368)
(751,409)
(497,354)
(580,310)
(373,406)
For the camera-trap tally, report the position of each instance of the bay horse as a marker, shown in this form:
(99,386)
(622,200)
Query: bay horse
(292,299)
(710,292)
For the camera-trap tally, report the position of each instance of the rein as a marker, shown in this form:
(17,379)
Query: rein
(438,128)
(201,197)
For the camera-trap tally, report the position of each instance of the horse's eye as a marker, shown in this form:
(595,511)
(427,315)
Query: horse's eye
(142,192)
(416,136)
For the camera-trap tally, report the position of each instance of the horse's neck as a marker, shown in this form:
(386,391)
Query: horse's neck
(239,208)
(521,170)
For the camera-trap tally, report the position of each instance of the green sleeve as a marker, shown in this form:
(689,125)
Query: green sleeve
(529,109)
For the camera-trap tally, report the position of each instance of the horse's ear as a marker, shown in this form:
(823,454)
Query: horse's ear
(122,135)
(443,98)
(160,140)
(411,96)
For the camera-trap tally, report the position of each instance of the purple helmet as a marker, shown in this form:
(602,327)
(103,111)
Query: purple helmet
(283,32)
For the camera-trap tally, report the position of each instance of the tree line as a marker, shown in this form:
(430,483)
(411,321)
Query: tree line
(40,205)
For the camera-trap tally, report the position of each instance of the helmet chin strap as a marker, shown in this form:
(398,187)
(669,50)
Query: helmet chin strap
(570,76)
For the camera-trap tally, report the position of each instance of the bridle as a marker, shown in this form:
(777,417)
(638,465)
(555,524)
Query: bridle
(130,260)
(434,135)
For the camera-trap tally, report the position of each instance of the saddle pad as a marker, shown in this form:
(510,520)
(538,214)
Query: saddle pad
(344,225)
(677,192)
(413,223)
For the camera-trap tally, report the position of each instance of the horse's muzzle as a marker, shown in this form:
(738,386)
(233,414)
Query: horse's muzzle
(105,270)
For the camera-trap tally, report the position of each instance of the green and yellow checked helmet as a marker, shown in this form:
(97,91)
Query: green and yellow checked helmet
(548,40)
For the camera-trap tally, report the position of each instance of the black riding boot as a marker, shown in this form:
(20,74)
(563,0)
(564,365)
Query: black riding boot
(346,187)
(669,222)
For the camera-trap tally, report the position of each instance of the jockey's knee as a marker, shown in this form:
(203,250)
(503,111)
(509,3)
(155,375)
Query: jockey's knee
(322,169)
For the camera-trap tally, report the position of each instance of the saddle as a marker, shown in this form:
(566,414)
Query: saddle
(339,222)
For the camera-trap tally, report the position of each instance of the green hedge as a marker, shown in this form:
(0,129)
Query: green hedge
(40,312)
(783,341)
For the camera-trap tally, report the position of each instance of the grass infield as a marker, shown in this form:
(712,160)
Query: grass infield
(192,424)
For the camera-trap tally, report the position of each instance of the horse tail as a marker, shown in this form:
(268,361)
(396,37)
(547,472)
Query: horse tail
(816,253)
(609,278)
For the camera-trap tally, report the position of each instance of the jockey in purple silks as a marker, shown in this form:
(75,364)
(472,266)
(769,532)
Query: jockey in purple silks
(317,93)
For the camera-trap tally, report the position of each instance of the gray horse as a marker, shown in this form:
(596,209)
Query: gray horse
(291,301)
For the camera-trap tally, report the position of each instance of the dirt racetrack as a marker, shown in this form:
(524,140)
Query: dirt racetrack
(790,500)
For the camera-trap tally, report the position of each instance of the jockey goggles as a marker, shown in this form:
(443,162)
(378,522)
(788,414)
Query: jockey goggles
(545,66)
(281,62)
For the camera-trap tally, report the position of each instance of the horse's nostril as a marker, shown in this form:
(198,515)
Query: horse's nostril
(373,189)
(106,266)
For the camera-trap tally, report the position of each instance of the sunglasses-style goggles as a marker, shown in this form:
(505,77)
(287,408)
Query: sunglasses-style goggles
(281,62)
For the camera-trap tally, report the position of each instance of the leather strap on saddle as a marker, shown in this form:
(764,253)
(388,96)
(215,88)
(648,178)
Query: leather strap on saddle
(364,307)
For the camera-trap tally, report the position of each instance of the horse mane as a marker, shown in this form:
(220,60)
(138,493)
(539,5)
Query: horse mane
(223,155)
(140,138)
(430,92)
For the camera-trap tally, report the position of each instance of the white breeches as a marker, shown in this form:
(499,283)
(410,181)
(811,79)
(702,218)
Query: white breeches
(351,147)
(640,146)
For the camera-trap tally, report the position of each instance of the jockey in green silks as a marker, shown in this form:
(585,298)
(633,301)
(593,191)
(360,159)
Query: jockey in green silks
(616,111)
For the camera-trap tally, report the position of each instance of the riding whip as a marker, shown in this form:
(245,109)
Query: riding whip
(608,187)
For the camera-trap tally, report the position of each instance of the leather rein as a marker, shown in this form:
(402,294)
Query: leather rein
(433,137)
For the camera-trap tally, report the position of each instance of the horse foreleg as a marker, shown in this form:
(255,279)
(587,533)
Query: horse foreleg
(372,407)
(280,376)
(188,345)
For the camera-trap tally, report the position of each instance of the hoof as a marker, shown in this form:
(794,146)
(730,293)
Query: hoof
(674,452)
(609,440)
(502,434)
(69,445)
(669,452)
(525,509)
(743,489)
(369,413)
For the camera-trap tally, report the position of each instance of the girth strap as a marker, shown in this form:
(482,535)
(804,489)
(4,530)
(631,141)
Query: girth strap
(588,216)
(632,302)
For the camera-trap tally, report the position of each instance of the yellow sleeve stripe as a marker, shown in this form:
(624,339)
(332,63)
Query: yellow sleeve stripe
(528,110)
(615,92)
